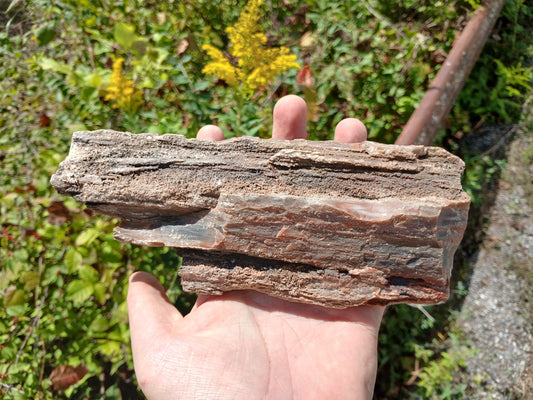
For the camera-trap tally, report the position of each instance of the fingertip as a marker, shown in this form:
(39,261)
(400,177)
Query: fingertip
(210,132)
(290,118)
(350,130)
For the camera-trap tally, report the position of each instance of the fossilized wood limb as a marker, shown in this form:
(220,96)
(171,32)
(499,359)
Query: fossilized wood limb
(320,222)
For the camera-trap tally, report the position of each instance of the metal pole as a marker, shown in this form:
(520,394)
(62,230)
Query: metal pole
(438,100)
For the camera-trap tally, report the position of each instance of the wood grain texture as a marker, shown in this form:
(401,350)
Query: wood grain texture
(319,222)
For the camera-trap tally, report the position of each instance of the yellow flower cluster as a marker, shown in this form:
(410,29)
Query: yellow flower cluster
(122,90)
(257,66)
(220,66)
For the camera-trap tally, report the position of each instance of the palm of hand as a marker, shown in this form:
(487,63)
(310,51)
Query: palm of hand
(246,345)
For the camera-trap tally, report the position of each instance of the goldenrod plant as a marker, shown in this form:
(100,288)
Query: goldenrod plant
(122,90)
(257,66)
(250,68)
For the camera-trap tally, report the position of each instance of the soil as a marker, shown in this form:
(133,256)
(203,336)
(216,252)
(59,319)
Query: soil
(14,19)
(497,314)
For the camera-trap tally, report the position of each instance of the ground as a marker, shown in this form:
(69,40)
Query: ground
(497,314)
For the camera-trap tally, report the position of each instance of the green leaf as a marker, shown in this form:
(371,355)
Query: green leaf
(112,392)
(94,80)
(87,237)
(102,47)
(88,273)
(79,291)
(100,291)
(16,311)
(91,256)
(99,324)
(30,279)
(125,35)
(53,65)
(76,126)
(9,198)
(109,347)
(138,47)
(120,313)
(14,298)
(21,256)
(73,259)
(45,34)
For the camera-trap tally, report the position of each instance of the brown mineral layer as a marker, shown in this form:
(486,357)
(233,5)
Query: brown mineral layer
(326,223)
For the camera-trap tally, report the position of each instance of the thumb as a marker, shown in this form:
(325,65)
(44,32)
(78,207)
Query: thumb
(150,312)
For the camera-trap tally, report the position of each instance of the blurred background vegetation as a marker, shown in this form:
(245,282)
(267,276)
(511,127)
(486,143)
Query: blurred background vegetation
(136,65)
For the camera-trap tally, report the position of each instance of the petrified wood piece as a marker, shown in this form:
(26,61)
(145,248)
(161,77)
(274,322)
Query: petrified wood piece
(319,222)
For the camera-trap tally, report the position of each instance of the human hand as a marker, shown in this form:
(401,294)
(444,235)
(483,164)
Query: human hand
(247,345)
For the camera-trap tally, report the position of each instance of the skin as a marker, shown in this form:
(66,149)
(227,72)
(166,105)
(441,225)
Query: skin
(247,345)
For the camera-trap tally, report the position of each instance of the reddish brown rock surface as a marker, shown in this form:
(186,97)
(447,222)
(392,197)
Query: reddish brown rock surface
(320,222)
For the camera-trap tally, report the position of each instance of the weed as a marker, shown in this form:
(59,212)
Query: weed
(441,374)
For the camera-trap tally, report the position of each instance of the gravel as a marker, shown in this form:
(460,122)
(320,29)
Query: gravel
(496,316)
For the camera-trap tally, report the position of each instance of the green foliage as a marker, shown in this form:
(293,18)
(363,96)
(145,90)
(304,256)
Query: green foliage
(442,376)
(496,93)
(352,54)
(376,66)
(64,291)
(418,359)
(480,172)
(497,85)
(63,278)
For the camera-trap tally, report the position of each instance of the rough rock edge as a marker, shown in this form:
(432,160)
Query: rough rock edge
(135,177)
(214,273)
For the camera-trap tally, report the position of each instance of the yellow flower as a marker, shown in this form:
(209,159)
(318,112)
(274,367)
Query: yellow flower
(122,90)
(263,75)
(257,66)
(247,35)
(220,66)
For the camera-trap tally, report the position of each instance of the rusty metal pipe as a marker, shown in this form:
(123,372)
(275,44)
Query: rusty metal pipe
(428,118)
